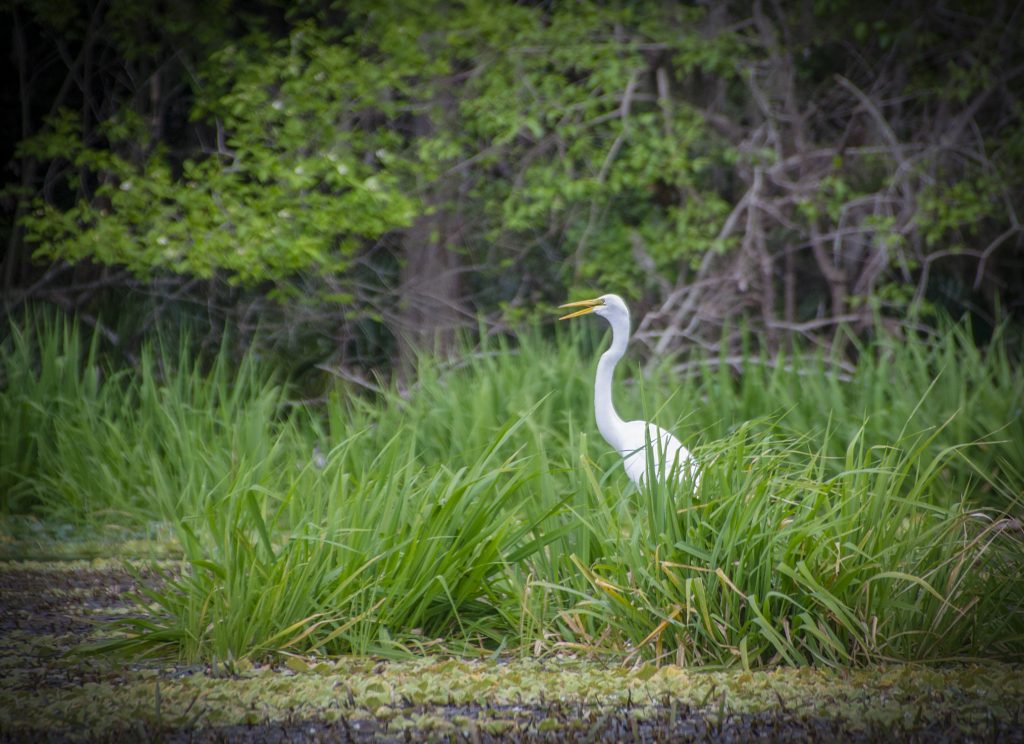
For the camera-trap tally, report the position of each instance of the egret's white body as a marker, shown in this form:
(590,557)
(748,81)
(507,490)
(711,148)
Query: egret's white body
(640,443)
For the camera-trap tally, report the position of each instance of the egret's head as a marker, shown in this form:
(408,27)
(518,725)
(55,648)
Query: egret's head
(607,306)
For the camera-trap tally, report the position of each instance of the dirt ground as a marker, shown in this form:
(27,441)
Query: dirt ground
(49,692)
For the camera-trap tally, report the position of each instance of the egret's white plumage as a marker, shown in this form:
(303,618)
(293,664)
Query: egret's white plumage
(631,439)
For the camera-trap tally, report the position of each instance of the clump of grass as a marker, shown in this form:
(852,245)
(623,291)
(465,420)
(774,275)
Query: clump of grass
(776,560)
(370,555)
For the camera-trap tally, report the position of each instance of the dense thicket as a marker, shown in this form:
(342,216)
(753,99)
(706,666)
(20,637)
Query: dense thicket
(373,174)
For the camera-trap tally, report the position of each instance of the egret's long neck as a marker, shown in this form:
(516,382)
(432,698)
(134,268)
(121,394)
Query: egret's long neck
(608,421)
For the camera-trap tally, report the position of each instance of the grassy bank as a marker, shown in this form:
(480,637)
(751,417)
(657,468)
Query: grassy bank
(844,516)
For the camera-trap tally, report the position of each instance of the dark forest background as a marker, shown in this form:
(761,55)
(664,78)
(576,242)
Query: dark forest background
(351,182)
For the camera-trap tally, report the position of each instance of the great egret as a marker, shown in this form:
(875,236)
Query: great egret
(631,439)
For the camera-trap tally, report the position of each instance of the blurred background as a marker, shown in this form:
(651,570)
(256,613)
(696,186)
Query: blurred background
(353,182)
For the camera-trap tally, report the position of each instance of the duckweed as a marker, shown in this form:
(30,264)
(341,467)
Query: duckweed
(47,686)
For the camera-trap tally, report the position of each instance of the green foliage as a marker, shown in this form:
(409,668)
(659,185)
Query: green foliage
(288,189)
(312,151)
(559,102)
(953,213)
(838,521)
(305,159)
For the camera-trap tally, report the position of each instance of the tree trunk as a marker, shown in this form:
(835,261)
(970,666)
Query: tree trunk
(431,305)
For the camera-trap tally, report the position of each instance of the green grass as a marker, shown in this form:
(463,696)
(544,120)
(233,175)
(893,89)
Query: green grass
(841,519)
(83,443)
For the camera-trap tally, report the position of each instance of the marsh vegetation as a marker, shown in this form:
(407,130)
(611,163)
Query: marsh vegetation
(846,515)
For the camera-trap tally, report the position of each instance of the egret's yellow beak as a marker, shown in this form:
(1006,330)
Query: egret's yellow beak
(588,306)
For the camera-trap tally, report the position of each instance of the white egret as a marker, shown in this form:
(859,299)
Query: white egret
(638,442)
